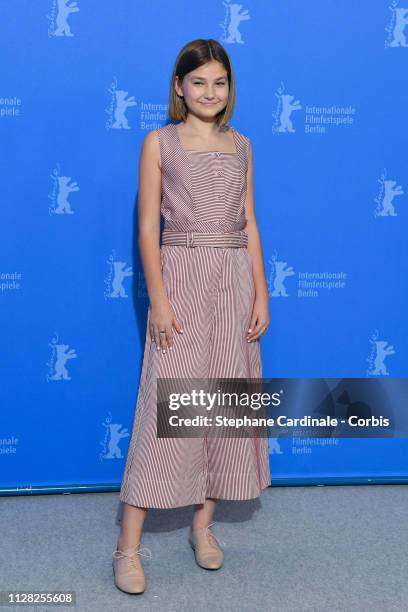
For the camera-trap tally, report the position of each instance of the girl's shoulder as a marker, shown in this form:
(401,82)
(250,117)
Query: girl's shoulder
(168,143)
(243,139)
(162,130)
(167,134)
(165,127)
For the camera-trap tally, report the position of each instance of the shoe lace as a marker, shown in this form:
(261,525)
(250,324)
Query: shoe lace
(213,539)
(133,560)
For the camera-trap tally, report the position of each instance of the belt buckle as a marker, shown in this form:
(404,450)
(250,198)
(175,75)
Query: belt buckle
(189,239)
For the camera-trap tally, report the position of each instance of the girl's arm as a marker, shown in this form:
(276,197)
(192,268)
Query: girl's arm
(162,315)
(260,315)
(149,216)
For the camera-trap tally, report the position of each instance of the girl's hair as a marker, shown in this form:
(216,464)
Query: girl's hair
(194,54)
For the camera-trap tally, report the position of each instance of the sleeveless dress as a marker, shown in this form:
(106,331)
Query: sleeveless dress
(212,292)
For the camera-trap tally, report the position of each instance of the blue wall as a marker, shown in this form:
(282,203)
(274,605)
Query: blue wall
(322,94)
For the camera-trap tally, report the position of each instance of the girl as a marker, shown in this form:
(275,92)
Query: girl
(208,306)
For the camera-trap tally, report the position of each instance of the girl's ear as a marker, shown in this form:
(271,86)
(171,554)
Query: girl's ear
(178,83)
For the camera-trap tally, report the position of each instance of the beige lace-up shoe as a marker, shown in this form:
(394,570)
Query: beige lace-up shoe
(128,569)
(207,550)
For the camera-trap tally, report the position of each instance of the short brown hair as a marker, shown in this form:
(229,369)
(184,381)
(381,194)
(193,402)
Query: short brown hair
(194,54)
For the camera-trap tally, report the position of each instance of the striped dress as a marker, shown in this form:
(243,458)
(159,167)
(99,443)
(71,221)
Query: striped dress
(212,292)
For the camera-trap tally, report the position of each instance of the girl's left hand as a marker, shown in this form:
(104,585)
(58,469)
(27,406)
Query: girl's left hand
(259,320)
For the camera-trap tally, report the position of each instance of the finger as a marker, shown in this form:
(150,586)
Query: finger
(151,331)
(178,326)
(252,323)
(257,332)
(263,331)
(260,324)
(169,336)
(163,339)
(157,337)
(254,329)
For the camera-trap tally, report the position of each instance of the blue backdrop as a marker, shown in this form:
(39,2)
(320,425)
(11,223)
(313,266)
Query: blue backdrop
(322,94)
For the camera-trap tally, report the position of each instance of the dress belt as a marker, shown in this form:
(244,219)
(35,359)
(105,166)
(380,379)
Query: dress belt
(196,239)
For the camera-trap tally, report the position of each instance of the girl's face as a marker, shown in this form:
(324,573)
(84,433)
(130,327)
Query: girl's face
(205,89)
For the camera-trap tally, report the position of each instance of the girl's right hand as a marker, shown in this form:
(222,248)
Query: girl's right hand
(163,317)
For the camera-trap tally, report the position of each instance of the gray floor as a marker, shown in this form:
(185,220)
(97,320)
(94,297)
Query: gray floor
(296,548)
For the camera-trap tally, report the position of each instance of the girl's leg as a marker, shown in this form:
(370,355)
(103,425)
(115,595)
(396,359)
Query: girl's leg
(127,566)
(131,527)
(208,553)
(203,513)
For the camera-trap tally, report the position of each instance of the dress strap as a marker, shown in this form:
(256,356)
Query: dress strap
(243,147)
(170,152)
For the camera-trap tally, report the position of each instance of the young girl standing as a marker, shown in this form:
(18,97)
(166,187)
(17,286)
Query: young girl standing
(208,306)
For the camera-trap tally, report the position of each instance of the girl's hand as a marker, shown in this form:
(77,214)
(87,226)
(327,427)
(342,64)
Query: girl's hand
(260,319)
(163,317)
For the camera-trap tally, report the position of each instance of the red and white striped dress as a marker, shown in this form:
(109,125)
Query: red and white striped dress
(212,292)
